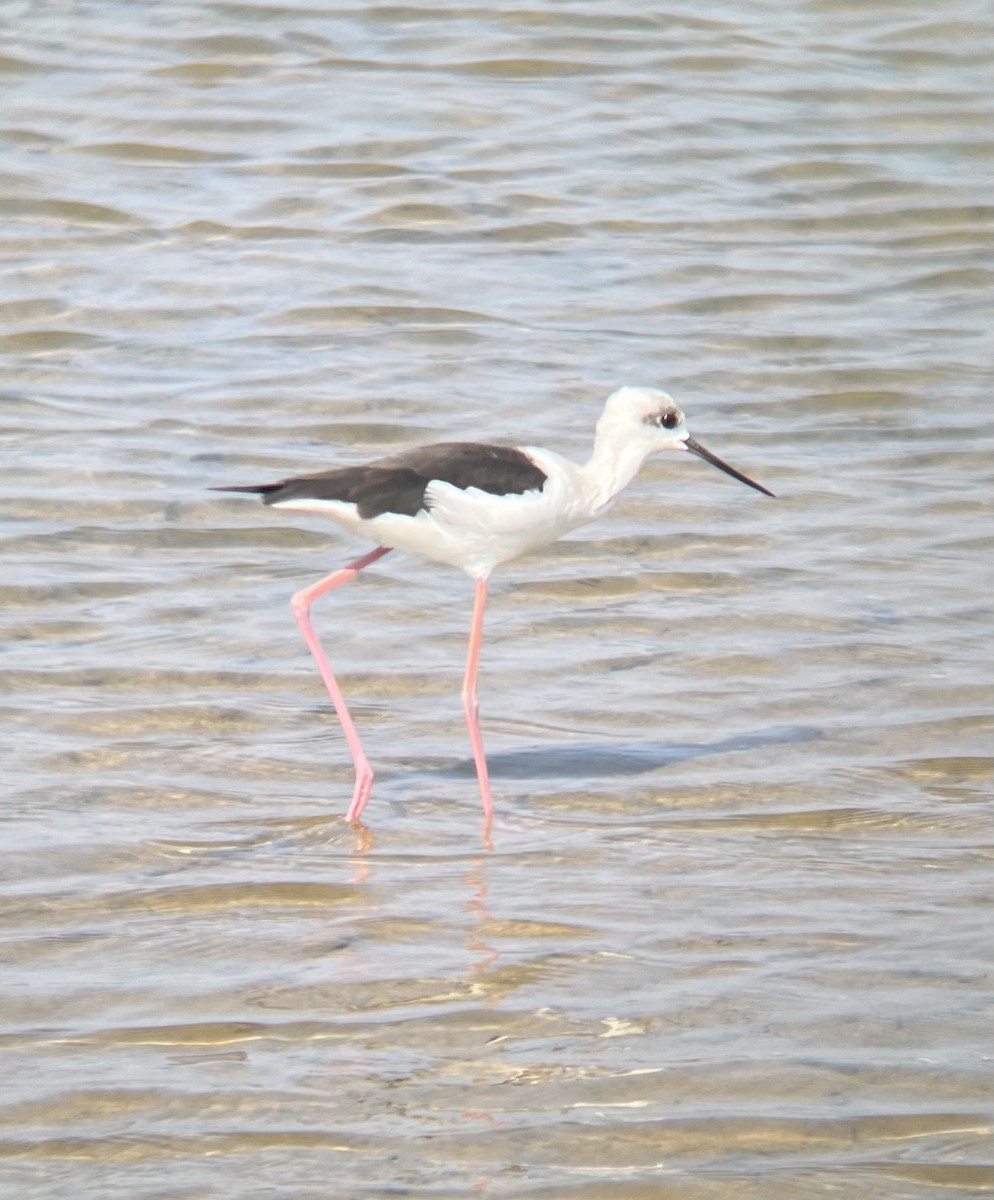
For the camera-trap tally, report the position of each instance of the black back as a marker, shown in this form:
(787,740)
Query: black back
(397,483)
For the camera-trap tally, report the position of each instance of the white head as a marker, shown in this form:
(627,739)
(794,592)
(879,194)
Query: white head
(645,420)
(646,416)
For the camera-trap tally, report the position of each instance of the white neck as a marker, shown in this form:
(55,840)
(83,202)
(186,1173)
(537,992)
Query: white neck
(616,459)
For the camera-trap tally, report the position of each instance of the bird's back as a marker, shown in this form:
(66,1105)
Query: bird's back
(398,483)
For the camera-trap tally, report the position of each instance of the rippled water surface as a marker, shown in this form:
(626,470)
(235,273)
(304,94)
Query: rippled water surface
(733,936)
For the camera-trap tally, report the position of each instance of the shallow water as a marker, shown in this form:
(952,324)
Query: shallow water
(733,938)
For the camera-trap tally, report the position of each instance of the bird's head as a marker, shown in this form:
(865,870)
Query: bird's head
(652,420)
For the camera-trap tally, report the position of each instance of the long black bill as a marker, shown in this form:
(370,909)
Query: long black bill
(715,461)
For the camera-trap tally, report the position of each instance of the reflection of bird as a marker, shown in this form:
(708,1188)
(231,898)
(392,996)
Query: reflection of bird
(475,506)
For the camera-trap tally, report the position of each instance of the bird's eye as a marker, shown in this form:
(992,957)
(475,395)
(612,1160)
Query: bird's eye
(669,419)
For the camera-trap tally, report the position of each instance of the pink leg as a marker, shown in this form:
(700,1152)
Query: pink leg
(301,604)
(471,705)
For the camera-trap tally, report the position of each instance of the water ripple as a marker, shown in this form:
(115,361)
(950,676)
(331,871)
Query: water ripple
(732,937)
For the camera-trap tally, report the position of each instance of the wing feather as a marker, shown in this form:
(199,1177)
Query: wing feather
(398,483)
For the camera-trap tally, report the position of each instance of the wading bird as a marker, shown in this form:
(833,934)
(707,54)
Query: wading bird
(475,506)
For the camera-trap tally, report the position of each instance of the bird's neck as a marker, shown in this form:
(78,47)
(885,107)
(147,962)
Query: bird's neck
(614,463)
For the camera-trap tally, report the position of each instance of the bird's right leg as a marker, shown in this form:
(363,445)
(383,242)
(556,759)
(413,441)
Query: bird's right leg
(301,604)
(471,706)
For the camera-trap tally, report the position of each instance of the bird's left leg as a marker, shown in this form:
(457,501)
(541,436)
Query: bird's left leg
(301,604)
(470,703)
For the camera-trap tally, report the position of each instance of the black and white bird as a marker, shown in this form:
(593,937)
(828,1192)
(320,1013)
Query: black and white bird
(475,506)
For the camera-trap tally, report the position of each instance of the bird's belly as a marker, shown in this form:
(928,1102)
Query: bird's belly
(475,550)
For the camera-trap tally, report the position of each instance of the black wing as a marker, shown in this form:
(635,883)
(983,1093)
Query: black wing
(397,484)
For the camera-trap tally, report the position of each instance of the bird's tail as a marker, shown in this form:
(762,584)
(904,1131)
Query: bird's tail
(257,489)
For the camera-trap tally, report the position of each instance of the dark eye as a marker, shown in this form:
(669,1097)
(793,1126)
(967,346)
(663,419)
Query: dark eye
(669,419)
